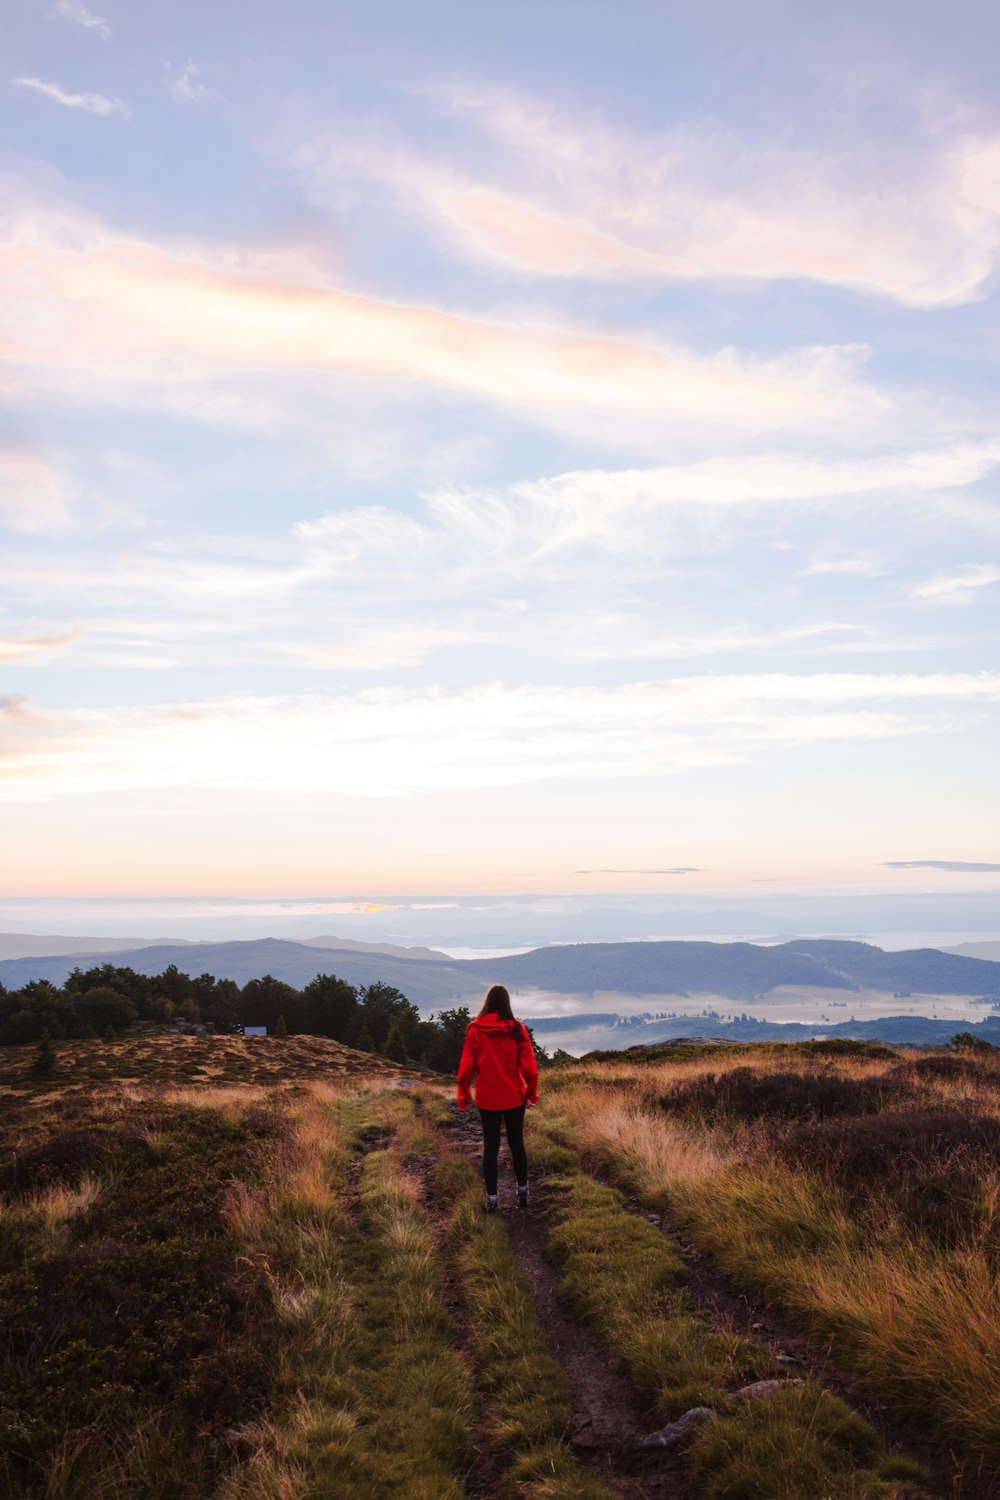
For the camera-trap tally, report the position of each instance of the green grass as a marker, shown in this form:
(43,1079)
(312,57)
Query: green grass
(525,1394)
(798,1444)
(626,1278)
(376,1400)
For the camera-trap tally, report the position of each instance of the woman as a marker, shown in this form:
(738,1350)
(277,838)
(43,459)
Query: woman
(498,1049)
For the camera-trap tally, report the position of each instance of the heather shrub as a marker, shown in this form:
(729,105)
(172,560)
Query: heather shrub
(955,1067)
(937,1166)
(141,1304)
(751,1094)
(64,1157)
(876,1148)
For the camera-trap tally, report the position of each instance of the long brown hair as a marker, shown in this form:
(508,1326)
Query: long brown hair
(497,1003)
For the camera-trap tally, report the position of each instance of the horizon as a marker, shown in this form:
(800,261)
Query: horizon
(472,926)
(546,452)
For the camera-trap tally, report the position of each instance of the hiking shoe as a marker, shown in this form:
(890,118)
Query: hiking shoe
(491,1203)
(522,1196)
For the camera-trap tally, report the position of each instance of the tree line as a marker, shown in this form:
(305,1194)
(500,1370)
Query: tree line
(109,1001)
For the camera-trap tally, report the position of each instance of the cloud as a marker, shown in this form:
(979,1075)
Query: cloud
(92,104)
(861,567)
(555,528)
(578,569)
(122,311)
(960,587)
(190,88)
(542,190)
(401,741)
(16,709)
(958,866)
(34,494)
(72,10)
(678,870)
(18,650)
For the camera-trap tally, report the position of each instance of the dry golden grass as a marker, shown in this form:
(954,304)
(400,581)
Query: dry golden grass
(58,1203)
(664,1154)
(916,1320)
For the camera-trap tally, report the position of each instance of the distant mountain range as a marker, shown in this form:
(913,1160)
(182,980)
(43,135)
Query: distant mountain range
(735,971)
(36,945)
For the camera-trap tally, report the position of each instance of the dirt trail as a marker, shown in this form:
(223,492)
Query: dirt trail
(724,1306)
(607,1413)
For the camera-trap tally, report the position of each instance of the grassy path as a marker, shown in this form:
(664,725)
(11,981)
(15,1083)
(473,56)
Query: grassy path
(605,1412)
(624,1278)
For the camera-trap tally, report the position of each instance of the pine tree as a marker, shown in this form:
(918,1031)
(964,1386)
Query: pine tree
(44,1064)
(395,1045)
(280,1027)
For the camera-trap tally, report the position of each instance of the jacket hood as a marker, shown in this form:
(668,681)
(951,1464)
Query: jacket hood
(494,1023)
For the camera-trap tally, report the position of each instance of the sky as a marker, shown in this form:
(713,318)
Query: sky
(455,448)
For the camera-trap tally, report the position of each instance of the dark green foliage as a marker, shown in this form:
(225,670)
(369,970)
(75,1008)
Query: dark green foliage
(965,1041)
(444,1037)
(280,1027)
(264,1000)
(62,1157)
(384,1006)
(662,1052)
(44,1062)
(330,1004)
(839,1046)
(395,1044)
(106,1000)
(141,1303)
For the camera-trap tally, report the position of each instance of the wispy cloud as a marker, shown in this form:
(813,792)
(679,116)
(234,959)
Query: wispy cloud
(522,568)
(123,309)
(189,87)
(20,650)
(72,10)
(397,741)
(91,104)
(861,567)
(561,194)
(960,587)
(677,870)
(34,493)
(957,866)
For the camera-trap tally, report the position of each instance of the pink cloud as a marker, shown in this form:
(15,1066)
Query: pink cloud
(81,298)
(17,650)
(562,195)
(33,492)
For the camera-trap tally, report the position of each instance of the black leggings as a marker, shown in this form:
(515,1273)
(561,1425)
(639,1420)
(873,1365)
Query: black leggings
(513,1119)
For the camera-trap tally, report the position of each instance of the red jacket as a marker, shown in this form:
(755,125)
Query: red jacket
(502,1055)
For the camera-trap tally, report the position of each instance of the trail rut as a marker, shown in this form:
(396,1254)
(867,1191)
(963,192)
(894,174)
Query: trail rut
(608,1414)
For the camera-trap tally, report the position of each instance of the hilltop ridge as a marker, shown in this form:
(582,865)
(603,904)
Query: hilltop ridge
(737,971)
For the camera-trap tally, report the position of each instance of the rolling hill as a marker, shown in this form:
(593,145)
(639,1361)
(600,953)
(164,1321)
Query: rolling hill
(737,971)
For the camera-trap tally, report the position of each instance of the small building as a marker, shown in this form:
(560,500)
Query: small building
(255,1031)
